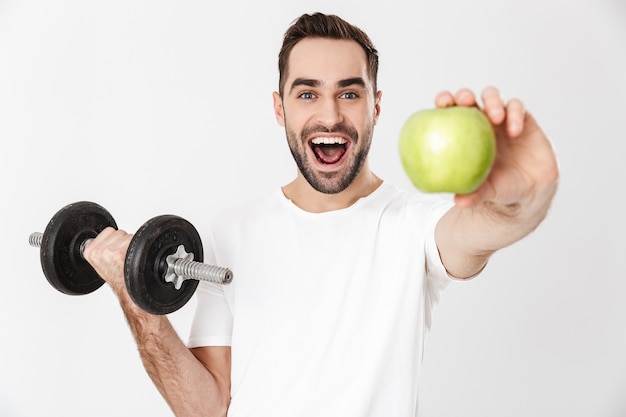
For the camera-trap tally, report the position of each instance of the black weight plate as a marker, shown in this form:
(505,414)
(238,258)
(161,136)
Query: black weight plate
(61,260)
(146,265)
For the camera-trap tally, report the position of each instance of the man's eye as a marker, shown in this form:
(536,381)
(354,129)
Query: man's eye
(307,96)
(350,95)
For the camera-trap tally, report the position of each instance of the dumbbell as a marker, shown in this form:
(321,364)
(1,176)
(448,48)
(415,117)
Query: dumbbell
(163,264)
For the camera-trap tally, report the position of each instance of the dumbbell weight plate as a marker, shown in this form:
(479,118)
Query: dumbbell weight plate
(146,265)
(61,259)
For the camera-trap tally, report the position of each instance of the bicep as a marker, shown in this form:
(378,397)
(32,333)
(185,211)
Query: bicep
(217,360)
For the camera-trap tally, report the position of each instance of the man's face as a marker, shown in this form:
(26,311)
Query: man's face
(329,110)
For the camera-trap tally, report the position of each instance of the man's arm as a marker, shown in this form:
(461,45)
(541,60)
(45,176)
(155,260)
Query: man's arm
(513,200)
(193,382)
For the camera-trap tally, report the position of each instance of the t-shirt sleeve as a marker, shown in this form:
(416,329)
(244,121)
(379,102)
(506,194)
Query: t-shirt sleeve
(213,321)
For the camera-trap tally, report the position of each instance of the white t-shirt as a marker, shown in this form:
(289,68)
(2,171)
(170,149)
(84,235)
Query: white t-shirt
(327,312)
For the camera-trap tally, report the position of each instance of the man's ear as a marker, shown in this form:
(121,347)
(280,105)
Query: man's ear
(279,112)
(379,96)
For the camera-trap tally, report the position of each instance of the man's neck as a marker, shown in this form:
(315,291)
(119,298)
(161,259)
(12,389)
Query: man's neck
(300,192)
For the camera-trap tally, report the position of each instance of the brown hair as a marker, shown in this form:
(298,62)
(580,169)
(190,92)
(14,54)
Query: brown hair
(319,25)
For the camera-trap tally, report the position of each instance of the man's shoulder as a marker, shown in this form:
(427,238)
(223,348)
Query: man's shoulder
(249,209)
(395,196)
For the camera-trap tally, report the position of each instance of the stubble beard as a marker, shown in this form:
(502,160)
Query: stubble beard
(330,182)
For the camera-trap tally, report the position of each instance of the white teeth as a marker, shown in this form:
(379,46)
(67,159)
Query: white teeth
(329,141)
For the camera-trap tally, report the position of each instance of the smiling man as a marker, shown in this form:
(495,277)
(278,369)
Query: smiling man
(337,272)
(329,110)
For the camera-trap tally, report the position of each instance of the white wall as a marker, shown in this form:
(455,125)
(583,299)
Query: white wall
(152,107)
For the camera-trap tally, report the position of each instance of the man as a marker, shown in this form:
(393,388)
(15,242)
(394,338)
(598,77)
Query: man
(336,273)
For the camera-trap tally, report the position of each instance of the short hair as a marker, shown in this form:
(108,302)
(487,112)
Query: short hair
(319,25)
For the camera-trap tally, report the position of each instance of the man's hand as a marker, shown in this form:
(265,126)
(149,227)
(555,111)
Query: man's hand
(106,254)
(525,160)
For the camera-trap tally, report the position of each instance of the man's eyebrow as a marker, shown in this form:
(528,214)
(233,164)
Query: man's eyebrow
(358,81)
(308,82)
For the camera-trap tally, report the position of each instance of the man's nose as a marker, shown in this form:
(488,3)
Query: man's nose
(329,113)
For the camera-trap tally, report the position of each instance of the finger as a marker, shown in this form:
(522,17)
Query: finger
(119,240)
(494,105)
(483,193)
(109,240)
(466,200)
(465,97)
(104,235)
(444,99)
(515,115)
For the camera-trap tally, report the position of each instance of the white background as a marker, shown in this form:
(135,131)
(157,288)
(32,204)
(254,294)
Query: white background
(152,107)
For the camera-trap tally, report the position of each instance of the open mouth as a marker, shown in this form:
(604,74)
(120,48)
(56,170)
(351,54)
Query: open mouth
(329,150)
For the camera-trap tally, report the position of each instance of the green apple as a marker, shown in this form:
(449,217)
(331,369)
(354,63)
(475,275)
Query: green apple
(447,149)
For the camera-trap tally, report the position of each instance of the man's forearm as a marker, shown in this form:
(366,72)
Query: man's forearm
(185,383)
(467,237)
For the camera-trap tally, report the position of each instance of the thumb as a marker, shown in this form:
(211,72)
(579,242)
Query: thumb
(483,193)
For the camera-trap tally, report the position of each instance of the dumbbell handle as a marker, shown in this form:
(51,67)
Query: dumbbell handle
(179,269)
(36,238)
